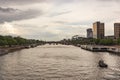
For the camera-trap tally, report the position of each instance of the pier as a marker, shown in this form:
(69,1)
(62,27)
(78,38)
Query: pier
(114,50)
(96,48)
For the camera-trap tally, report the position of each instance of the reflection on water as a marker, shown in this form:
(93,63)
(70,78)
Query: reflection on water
(58,62)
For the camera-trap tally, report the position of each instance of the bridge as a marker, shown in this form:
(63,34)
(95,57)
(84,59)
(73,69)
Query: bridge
(56,42)
(53,42)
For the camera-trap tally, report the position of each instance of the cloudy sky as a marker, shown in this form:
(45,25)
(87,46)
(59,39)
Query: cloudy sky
(56,19)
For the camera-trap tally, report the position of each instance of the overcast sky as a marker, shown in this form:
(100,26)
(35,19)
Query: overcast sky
(56,19)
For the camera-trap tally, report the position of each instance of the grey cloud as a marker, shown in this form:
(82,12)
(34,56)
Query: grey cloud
(19,2)
(7,9)
(80,23)
(109,0)
(25,2)
(59,13)
(87,22)
(46,35)
(60,22)
(10,14)
(42,36)
(68,1)
(36,32)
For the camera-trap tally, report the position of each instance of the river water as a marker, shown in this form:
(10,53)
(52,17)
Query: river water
(58,62)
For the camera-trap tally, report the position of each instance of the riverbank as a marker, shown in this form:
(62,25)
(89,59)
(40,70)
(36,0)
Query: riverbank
(6,50)
(99,48)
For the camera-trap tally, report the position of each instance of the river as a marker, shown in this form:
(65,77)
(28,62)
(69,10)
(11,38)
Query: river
(58,62)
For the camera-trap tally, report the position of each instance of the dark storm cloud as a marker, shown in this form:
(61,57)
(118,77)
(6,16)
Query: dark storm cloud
(10,14)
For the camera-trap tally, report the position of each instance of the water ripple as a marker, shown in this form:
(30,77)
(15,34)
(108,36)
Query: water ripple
(58,62)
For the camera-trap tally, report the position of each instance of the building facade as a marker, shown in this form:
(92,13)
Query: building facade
(117,30)
(98,30)
(89,33)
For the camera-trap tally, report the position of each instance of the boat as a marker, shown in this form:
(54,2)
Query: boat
(102,64)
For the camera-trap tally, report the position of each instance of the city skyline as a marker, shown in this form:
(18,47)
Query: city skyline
(56,19)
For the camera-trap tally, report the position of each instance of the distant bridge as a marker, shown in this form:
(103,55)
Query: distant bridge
(56,43)
(53,42)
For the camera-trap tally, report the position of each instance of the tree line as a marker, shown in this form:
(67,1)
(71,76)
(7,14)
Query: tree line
(11,41)
(91,41)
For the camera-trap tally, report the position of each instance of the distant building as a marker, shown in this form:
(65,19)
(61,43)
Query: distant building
(89,33)
(98,30)
(117,30)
